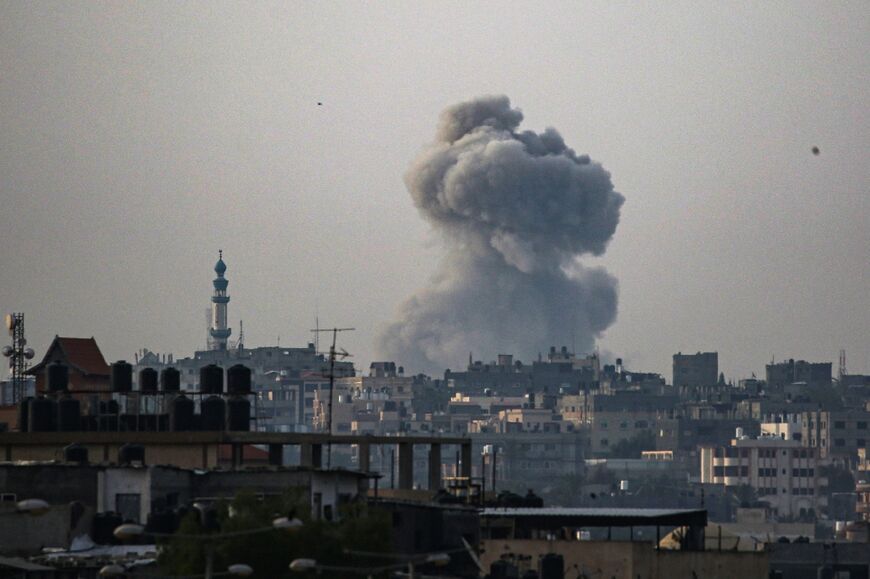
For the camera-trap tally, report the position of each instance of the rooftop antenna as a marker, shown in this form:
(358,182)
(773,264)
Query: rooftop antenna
(240,343)
(332,355)
(18,354)
(842,371)
(316,330)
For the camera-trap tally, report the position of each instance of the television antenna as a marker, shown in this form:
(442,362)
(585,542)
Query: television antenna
(333,354)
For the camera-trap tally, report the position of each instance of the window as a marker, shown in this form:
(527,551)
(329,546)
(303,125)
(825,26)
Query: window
(839,425)
(604,442)
(861,425)
(839,442)
(861,443)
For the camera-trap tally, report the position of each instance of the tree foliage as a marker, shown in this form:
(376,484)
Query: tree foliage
(633,446)
(270,553)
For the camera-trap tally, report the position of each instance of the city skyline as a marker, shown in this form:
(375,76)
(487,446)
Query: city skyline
(140,139)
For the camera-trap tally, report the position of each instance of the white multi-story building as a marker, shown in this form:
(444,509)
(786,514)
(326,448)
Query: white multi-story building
(785,426)
(782,472)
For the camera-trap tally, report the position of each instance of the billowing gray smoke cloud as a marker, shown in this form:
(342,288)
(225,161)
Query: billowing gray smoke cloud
(516,210)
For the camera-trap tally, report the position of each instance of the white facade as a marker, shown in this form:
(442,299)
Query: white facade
(783,473)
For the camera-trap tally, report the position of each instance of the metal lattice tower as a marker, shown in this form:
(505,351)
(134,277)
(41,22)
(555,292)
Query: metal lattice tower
(18,354)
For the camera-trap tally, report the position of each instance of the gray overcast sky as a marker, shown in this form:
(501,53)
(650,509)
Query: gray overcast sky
(138,138)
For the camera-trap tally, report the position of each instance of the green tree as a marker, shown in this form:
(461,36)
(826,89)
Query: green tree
(633,446)
(745,496)
(270,553)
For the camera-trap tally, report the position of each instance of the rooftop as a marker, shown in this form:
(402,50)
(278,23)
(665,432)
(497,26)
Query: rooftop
(597,517)
(82,354)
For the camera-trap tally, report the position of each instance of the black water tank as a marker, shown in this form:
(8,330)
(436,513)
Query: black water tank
(148,380)
(130,453)
(109,407)
(238,379)
(69,415)
(122,376)
(533,501)
(103,528)
(181,414)
(211,379)
(170,380)
(108,423)
(75,453)
(552,566)
(41,415)
(213,411)
(238,414)
(503,570)
(23,414)
(57,377)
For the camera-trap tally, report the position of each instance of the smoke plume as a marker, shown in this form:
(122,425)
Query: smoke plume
(516,210)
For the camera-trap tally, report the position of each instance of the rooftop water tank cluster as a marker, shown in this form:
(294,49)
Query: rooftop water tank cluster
(219,409)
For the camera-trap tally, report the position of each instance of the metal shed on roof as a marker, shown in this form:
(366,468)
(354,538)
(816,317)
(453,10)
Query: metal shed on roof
(556,517)
(529,522)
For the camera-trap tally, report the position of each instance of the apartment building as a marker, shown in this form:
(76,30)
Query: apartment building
(783,473)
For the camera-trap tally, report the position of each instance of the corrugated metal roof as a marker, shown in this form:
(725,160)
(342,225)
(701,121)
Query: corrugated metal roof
(583,512)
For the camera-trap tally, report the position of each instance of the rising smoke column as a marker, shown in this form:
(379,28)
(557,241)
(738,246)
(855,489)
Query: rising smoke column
(515,210)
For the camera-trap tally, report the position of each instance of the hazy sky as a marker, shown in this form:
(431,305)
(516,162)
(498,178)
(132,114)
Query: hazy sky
(138,138)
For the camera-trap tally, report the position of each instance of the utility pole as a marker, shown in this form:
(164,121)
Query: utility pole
(332,355)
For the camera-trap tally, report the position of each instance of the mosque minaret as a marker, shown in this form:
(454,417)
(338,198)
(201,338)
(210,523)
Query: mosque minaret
(219,332)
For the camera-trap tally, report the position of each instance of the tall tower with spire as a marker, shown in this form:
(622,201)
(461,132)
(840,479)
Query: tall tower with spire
(219,331)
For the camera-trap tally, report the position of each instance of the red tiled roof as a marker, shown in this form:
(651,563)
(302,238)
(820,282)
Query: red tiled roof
(80,353)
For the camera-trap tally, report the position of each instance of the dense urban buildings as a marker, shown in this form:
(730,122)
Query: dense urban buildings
(564,466)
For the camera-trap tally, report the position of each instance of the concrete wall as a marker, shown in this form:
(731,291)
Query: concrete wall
(183,456)
(22,534)
(56,483)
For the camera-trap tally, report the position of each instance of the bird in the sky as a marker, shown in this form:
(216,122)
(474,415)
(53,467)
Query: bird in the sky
(319,104)
(815,150)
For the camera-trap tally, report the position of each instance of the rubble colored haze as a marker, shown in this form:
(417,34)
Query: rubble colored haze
(516,210)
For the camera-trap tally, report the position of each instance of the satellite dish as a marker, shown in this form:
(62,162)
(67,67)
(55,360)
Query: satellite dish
(29,353)
(10,322)
(7,351)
